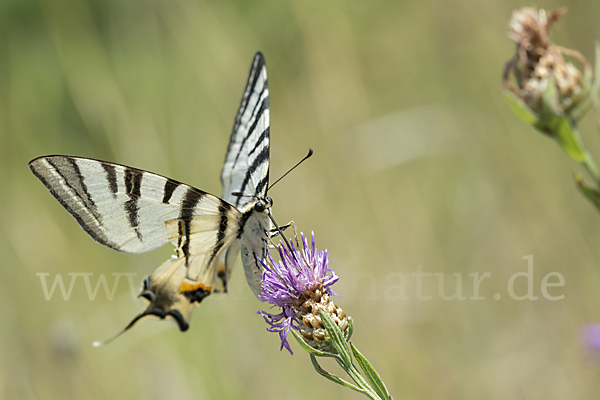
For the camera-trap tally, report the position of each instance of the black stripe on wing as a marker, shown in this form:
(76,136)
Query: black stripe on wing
(258,64)
(133,184)
(264,105)
(190,201)
(111,178)
(170,186)
(259,161)
(121,207)
(224,211)
(249,139)
(263,136)
(58,169)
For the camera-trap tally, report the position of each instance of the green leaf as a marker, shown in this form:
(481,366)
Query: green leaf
(519,107)
(309,349)
(370,373)
(591,193)
(568,137)
(331,377)
(353,372)
(350,329)
(337,338)
(550,102)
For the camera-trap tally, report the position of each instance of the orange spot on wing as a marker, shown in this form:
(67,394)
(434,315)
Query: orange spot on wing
(221,266)
(192,287)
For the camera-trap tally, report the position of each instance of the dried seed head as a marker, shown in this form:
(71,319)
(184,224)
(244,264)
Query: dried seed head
(319,334)
(306,332)
(538,61)
(529,28)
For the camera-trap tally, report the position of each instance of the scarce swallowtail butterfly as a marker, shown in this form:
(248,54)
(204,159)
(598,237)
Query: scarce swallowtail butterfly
(134,211)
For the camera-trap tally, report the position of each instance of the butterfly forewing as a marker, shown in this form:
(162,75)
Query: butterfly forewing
(121,207)
(246,168)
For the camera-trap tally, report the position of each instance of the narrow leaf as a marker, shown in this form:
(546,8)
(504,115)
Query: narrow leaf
(519,107)
(331,377)
(309,349)
(354,373)
(337,337)
(350,329)
(370,373)
(550,101)
(568,137)
(591,193)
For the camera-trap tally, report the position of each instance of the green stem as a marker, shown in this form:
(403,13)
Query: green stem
(585,156)
(592,167)
(353,372)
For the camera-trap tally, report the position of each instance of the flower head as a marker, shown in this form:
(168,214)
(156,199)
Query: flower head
(299,284)
(538,62)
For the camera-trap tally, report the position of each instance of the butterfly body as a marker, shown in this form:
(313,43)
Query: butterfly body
(134,211)
(253,241)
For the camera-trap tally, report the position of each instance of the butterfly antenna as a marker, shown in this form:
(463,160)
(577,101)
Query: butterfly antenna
(310,153)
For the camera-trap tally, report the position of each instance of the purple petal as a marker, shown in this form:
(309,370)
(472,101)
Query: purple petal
(285,279)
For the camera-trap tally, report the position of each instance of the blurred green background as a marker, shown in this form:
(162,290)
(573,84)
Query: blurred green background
(418,162)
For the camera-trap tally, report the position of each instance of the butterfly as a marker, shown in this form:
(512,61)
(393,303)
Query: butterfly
(134,211)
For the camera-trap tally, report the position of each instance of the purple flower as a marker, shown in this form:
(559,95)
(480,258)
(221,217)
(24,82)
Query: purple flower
(299,283)
(591,336)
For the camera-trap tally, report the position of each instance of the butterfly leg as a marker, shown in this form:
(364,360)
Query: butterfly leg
(282,228)
(274,232)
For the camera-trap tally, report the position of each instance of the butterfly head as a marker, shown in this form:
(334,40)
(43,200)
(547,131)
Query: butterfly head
(263,205)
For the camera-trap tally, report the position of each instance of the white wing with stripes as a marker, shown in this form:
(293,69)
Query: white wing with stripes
(122,207)
(246,168)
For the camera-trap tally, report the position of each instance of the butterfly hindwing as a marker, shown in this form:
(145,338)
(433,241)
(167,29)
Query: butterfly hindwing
(184,281)
(201,240)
